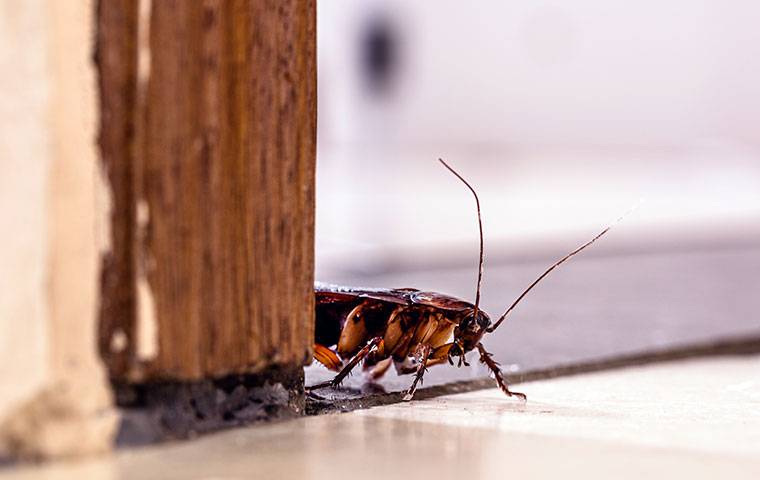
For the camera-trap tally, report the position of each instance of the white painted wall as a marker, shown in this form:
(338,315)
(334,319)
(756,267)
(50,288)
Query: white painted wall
(54,397)
(25,152)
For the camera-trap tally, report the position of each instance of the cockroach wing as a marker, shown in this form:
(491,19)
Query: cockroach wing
(399,296)
(440,301)
(334,297)
(328,293)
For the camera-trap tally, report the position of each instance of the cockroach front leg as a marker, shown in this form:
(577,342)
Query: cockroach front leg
(485,357)
(422,353)
(355,360)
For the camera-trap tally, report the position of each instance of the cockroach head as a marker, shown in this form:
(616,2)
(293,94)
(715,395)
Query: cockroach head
(471,329)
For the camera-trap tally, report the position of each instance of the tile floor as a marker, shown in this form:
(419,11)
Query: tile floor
(695,419)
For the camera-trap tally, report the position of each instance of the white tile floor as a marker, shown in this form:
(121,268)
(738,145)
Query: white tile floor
(696,419)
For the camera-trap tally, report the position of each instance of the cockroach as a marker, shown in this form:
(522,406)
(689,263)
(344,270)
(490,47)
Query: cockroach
(409,328)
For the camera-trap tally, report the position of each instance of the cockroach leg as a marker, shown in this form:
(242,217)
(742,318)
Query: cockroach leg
(485,358)
(327,357)
(355,360)
(380,368)
(354,330)
(442,352)
(462,359)
(456,347)
(422,353)
(402,345)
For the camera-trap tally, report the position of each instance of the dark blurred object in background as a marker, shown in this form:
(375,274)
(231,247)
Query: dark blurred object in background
(380,55)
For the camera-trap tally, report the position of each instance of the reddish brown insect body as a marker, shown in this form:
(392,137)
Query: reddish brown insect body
(406,327)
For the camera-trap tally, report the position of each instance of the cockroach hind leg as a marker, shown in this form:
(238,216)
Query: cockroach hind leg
(378,370)
(346,370)
(327,357)
(319,386)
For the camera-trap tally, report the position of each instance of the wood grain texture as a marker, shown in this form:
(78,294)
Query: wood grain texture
(223,192)
(116,59)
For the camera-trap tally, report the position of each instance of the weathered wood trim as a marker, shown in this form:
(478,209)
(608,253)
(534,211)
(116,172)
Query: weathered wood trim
(215,184)
(116,59)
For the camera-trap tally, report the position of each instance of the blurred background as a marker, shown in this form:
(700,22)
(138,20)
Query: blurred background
(562,116)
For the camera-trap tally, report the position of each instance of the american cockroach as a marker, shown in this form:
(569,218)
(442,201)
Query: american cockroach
(407,327)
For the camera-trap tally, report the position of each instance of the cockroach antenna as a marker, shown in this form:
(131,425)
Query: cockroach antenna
(560,262)
(480,227)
